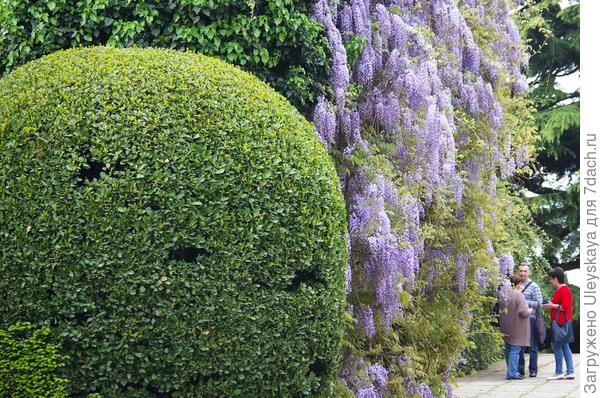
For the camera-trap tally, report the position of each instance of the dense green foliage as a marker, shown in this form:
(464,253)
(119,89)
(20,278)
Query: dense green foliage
(553,37)
(484,348)
(29,363)
(275,39)
(175,221)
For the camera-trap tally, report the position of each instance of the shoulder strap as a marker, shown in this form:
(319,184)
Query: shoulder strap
(526,286)
(557,313)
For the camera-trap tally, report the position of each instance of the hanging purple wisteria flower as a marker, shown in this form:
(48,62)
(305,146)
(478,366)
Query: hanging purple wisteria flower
(481,276)
(460,270)
(506,264)
(365,318)
(324,120)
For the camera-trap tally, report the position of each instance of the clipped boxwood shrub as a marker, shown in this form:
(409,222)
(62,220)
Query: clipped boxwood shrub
(176,222)
(29,363)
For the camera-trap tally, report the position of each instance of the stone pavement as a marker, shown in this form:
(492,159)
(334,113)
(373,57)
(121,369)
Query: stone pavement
(492,383)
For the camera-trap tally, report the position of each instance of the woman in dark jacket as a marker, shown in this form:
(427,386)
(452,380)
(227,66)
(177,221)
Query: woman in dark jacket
(514,325)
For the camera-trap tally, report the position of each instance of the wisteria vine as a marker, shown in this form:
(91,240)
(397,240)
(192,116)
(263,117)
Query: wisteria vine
(416,119)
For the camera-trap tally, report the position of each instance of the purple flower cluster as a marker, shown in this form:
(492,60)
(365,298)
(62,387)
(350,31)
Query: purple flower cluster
(522,156)
(379,375)
(365,319)
(481,276)
(340,76)
(460,270)
(490,247)
(370,228)
(367,392)
(349,372)
(479,214)
(439,262)
(506,264)
(422,389)
(373,381)
(324,120)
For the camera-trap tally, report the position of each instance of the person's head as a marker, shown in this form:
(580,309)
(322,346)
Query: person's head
(515,280)
(524,272)
(557,276)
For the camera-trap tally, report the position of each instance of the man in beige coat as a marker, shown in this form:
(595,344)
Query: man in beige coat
(514,325)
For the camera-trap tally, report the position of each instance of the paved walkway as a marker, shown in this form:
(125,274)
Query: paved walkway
(492,383)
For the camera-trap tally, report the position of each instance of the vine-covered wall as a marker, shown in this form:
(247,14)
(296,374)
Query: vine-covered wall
(426,119)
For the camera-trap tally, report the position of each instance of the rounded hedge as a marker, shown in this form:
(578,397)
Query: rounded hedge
(175,221)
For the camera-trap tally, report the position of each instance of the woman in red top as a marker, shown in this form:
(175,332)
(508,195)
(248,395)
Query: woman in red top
(563,298)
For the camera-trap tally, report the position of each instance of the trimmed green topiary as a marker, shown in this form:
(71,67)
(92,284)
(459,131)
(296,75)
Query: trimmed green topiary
(177,223)
(29,363)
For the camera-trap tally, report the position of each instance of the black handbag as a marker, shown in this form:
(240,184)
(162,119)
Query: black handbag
(561,334)
(540,327)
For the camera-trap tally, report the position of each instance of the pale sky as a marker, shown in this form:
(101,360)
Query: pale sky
(575,277)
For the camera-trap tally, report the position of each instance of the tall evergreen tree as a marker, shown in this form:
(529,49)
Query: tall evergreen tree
(554,41)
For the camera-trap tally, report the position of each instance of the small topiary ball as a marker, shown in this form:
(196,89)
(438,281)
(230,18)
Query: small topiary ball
(175,221)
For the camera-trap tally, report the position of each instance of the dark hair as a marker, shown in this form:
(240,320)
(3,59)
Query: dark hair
(514,279)
(557,273)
